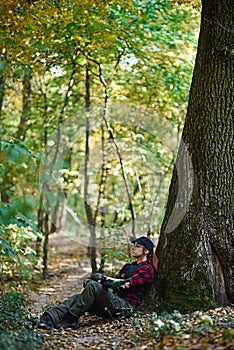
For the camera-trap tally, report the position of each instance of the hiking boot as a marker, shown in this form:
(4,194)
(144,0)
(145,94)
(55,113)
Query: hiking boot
(69,321)
(46,322)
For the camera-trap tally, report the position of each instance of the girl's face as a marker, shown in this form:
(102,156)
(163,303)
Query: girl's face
(138,250)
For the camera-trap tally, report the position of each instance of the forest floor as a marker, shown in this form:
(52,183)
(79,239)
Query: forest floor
(213,329)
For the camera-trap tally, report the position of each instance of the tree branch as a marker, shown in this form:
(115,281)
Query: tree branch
(102,80)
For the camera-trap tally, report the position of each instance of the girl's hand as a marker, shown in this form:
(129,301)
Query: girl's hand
(126,285)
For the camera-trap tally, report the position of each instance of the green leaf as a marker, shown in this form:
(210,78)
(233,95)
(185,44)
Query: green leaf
(2,67)
(206,319)
(228,335)
(8,248)
(21,220)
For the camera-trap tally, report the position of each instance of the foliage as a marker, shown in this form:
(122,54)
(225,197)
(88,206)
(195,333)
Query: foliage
(17,251)
(149,40)
(18,232)
(16,330)
(17,166)
(144,51)
(198,324)
(135,33)
(160,326)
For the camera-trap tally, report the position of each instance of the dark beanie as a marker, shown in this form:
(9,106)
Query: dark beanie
(146,242)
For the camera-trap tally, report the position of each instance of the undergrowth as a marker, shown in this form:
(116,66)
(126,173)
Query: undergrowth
(16,331)
(218,322)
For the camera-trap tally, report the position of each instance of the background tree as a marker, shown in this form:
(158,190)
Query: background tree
(196,246)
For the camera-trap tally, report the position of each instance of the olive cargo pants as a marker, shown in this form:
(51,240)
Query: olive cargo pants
(94,298)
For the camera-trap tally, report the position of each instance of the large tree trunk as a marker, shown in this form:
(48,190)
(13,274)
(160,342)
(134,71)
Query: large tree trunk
(196,246)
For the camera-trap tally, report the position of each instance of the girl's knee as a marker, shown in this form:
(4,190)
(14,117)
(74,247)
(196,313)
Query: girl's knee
(94,285)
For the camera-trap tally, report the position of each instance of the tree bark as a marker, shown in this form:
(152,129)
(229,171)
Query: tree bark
(2,85)
(27,92)
(196,245)
(2,92)
(89,214)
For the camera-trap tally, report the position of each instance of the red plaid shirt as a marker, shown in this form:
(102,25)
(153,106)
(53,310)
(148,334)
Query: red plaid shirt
(140,281)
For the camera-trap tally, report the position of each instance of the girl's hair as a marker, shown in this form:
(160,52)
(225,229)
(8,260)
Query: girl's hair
(154,261)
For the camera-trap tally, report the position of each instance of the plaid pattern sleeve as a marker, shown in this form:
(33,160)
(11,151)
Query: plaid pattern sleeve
(140,281)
